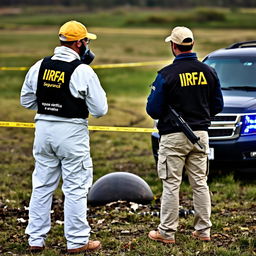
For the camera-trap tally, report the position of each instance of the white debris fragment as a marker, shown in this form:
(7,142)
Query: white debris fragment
(134,206)
(21,220)
(59,222)
(100,221)
(125,232)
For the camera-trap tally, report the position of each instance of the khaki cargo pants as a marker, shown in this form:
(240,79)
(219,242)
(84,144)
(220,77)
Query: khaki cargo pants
(175,153)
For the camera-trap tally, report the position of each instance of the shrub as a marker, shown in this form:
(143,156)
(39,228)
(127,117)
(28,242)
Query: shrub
(158,19)
(207,14)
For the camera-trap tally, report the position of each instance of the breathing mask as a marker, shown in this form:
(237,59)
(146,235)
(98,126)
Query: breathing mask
(87,56)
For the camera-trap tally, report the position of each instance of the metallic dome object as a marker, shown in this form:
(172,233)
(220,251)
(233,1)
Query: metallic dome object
(119,186)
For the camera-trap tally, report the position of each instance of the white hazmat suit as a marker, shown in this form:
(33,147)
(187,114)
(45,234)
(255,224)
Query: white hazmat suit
(61,149)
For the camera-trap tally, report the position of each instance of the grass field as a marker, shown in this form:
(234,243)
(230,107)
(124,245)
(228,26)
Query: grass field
(121,231)
(207,17)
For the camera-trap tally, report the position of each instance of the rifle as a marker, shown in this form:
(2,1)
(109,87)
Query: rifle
(184,127)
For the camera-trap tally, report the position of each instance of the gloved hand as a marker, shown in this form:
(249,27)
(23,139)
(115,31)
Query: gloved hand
(88,56)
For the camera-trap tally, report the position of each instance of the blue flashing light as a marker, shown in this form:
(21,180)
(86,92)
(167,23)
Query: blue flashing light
(249,125)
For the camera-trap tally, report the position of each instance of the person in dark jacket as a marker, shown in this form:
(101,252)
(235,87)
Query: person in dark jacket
(192,89)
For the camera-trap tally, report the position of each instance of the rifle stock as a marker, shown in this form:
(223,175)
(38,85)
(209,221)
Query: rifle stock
(184,127)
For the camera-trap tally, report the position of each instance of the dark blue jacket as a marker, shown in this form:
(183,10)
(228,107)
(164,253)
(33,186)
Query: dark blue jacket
(189,86)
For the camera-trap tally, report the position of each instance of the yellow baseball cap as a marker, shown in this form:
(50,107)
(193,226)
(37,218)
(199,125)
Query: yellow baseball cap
(179,34)
(74,31)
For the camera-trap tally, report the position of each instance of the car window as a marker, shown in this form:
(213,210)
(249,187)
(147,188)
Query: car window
(234,72)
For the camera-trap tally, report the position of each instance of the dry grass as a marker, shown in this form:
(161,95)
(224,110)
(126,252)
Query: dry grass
(233,202)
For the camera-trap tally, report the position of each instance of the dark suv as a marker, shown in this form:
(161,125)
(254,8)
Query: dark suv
(233,131)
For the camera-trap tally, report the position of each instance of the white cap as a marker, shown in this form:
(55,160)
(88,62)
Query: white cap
(179,34)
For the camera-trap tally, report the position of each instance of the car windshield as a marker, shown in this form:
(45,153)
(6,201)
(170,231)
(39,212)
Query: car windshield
(236,72)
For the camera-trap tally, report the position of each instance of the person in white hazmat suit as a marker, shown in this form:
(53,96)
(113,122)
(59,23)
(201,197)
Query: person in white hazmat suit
(64,91)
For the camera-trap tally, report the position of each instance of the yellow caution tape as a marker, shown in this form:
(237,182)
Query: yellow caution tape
(117,65)
(16,124)
(14,68)
(133,64)
(120,129)
(91,128)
